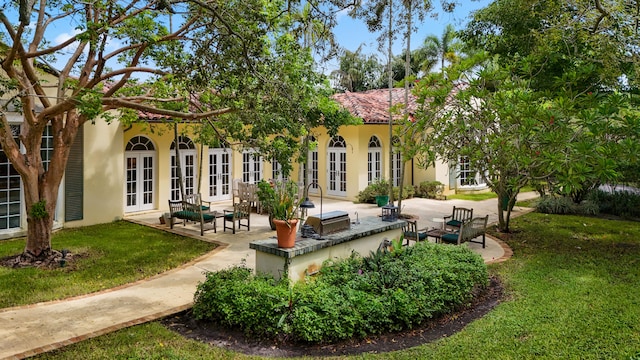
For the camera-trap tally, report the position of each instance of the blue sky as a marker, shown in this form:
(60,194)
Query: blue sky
(352,33)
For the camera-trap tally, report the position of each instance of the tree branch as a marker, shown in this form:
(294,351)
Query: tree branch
(603,14)
(113,103)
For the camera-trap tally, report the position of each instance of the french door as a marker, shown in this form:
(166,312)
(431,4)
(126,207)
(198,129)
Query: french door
(188,168)
(140,181)
(337,167)
(219,174)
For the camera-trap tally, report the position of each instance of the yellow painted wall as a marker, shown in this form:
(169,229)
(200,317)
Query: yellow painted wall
(104,179)
(103,174)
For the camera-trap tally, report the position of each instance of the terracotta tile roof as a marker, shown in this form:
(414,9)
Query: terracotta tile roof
(372,106)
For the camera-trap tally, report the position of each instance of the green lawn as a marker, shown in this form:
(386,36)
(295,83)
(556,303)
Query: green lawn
(473,197)
(116,253)
(571,293)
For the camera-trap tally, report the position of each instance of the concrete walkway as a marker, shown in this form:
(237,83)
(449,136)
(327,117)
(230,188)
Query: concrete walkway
(29,330)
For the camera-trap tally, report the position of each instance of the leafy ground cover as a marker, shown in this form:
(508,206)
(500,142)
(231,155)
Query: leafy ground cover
(571,293)
(105,256)
(350,298)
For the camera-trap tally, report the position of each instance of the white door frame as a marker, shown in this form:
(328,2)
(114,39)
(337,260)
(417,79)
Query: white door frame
(220,174)
(337,167)
(139,191)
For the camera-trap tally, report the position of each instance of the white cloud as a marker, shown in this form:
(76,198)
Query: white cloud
(62,37)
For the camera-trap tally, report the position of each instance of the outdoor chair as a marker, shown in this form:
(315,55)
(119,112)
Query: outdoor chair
(194,199)
(240,214)
(191,210)
(249,193)
(235,189)
(458,216)
(411,231)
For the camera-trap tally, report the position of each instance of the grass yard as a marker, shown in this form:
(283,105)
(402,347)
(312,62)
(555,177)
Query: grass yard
(473,197)
(571,288)
(113,254)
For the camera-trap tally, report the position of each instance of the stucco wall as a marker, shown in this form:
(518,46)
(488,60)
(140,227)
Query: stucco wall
(103,174)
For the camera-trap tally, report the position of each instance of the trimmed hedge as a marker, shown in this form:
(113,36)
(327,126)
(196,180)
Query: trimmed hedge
(428,189)
(354,297)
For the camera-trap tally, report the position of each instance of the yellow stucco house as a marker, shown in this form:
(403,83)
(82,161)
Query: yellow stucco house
(116,170)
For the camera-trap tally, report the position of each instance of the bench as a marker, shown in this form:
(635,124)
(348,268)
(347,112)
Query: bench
(191,209)
(469,230)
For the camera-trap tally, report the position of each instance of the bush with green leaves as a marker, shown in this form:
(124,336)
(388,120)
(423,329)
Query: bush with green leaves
(619,203)
(564,205)
(381,187)
(377,187)
(428,189)
(408,191)
(349,298)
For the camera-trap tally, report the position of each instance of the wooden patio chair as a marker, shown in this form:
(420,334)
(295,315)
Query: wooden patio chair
(411,231)
(196,199)
(458,216)
(241,213)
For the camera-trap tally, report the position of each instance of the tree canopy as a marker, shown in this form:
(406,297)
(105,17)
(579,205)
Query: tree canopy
(242,68)
(552,99)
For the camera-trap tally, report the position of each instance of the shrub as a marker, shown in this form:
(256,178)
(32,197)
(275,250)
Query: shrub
(236,298)
(556,205)
(378,187)
(428,189)
(408,192)
(381,187)
(353,297)
(619,203)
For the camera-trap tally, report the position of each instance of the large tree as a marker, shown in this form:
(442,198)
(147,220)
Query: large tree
(227,64)
(443,48)
(566,50)
(553,100)
(358,71)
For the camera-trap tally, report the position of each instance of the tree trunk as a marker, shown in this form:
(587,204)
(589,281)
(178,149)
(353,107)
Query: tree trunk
(390,83)
(40,186)
(41,198)
(39,236)
(407,74)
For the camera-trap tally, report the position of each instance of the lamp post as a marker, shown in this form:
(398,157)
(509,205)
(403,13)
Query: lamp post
(308,204)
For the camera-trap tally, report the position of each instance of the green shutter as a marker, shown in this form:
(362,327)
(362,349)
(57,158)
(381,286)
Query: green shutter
(74,180)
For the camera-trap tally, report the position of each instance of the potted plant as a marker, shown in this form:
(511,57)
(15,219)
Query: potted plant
(380,188)
(267,196)
(282,201)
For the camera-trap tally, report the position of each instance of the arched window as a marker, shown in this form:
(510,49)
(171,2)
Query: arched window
(140,159)
(337,166)
(187,150)
(397,161)
(374,160)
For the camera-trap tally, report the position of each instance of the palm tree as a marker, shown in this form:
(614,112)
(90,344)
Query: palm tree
(358,71)
(444,49)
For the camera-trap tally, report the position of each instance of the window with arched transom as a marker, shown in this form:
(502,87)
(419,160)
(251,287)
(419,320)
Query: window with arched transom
(374,160)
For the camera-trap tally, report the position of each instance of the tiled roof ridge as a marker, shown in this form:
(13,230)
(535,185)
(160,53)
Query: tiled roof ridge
(372,106)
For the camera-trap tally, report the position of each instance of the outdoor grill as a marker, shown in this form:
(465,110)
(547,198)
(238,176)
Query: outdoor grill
(329,222)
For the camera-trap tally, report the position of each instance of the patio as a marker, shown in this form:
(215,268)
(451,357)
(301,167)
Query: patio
(428,211)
